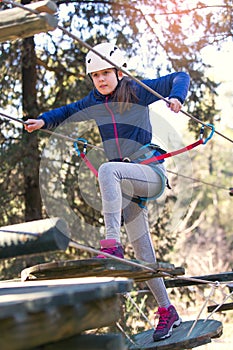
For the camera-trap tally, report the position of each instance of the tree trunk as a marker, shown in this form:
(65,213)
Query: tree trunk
(31,156)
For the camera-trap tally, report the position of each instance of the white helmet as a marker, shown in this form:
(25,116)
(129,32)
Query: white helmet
(95,63)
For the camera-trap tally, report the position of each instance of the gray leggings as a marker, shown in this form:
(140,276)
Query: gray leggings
(138,180)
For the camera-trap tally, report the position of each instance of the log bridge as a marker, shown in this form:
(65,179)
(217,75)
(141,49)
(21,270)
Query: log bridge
(57,305)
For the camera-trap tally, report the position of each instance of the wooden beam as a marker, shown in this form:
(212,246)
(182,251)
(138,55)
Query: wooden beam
(18,23)
(224,307)
(98,268)
(33,237)
(220,277)
(33,314)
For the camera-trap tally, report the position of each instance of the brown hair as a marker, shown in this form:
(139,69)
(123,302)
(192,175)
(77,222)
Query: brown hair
(125,93)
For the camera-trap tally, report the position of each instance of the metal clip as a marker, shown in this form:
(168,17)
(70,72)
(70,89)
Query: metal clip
(84,141)
(210,135)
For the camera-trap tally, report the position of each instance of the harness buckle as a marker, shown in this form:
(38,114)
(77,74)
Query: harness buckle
(76,146)
(210,135)
(126,160)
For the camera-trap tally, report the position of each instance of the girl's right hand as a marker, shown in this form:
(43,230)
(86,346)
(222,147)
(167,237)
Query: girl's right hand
(33,124)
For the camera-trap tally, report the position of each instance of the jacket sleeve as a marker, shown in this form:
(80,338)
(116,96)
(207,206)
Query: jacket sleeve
(173,85)
(57,116)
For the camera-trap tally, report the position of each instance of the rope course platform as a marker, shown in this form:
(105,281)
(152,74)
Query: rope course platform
(202,334)
(98,268)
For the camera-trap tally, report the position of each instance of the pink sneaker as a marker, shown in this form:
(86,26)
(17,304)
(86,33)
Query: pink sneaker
(112,247)
(168,318)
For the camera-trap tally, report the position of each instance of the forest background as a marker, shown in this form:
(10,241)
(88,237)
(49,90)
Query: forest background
(191,224)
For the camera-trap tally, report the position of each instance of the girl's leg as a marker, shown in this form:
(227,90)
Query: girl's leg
(132,179)
(115,177)
(136,221)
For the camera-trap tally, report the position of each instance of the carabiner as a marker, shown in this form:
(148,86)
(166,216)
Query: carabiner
(84,151)
(210,135)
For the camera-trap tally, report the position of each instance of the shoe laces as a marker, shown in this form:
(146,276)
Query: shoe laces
(110,250)
(164,315)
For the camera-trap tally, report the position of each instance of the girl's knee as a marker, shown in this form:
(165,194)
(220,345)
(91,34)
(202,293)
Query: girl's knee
(108,173)
(104,170)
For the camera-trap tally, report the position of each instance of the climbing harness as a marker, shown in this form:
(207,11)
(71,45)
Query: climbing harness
(184,149)
(83,153)
(145,156)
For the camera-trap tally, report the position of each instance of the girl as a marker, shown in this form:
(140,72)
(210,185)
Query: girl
(121,113)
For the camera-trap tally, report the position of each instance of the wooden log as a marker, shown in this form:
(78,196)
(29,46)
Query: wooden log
(97,268)
(18,23)
(47,6)
(88,342)
(33,237)
(202,334)
(217,308)
(220,277)
(38,313)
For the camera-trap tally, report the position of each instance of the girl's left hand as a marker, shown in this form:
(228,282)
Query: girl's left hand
(174,105)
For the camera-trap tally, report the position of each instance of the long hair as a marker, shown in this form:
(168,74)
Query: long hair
(125,94)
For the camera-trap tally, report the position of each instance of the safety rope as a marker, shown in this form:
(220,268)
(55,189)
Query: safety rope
(128,297)
(89,47)
(228,296)
(127,336)
(84,142)
(153,158)
(201,181)
(76,245)
(53,133)
(214,286)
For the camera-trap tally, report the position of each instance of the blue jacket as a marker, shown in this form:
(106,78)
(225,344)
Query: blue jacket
(122,134)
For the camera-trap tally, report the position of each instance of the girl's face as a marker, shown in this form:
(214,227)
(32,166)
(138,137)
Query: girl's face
(105,80)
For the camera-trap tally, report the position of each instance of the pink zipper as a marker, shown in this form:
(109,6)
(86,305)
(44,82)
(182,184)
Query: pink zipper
(114,126)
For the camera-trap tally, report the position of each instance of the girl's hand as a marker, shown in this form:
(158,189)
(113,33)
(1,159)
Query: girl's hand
(33,124)
(174,105)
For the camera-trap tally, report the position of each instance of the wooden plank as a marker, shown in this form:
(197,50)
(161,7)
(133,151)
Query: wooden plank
(98,268)
(36,314)
(202,334)
(220,277)
(224,307)
(88,342)
(33,237)
(120,285)
(18,23)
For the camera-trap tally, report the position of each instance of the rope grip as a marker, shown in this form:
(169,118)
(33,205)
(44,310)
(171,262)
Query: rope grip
(210,135)
(76,146)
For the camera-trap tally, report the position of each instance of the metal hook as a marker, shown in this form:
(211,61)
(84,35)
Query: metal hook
(84,141)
